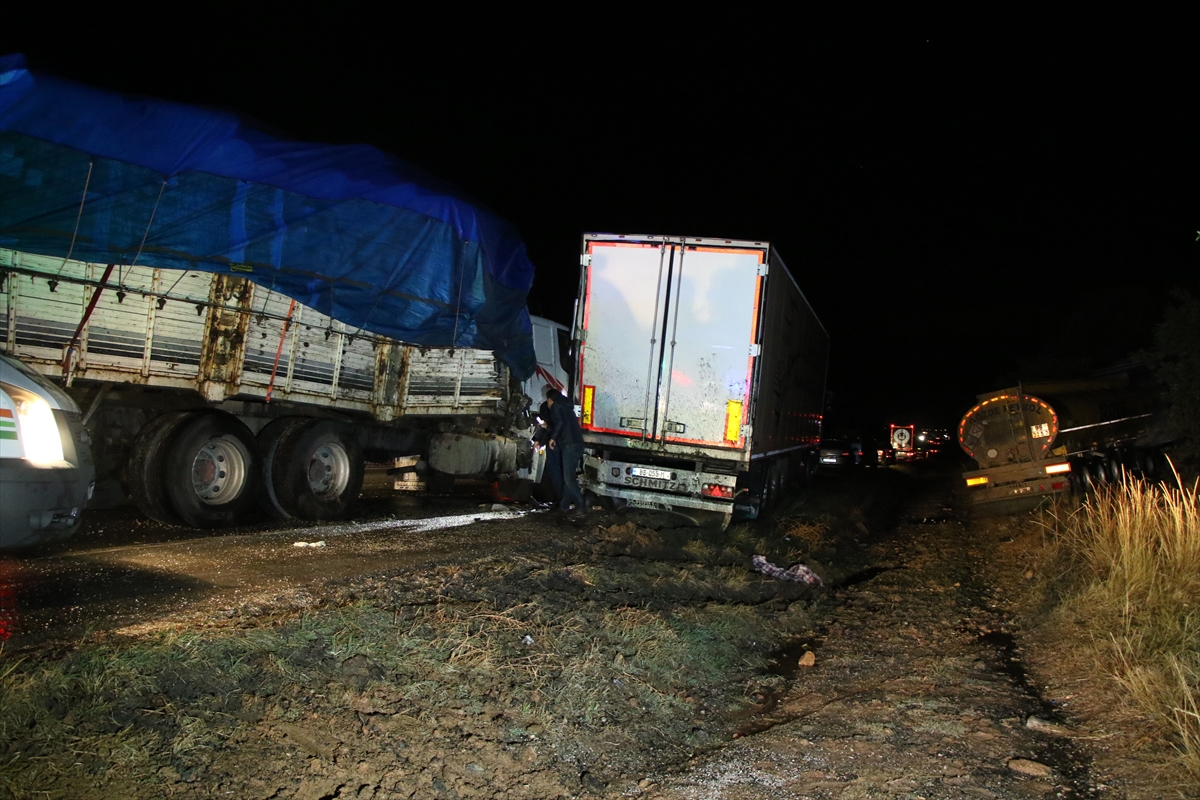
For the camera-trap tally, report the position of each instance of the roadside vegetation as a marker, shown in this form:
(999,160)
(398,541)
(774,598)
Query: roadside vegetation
(1125,574)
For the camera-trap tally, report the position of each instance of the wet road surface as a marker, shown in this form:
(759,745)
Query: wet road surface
(121,570)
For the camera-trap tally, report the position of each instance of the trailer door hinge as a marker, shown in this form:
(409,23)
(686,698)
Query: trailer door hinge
(755,350)
(585,260)
(763,269)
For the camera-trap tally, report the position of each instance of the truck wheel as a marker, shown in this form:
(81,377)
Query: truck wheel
(268,446)
(144,472)
(318,470)
(211,470)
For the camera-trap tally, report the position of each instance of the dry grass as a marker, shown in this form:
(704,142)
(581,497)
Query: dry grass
(1130,561)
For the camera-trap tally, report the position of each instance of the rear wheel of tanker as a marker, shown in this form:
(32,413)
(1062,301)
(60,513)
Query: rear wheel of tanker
(211,471)
(318,470)
(267,443)
(1098,472)
(1081,469)
(1116,470)
(145,470)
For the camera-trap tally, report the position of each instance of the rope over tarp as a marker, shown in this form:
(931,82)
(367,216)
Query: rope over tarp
(351,231)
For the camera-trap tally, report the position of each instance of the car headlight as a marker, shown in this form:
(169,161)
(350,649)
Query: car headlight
(38,428)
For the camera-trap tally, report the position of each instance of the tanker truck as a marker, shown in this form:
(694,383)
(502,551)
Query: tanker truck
(1035,440)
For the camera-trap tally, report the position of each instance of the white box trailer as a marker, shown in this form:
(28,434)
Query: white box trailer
(700,376)
(204,393)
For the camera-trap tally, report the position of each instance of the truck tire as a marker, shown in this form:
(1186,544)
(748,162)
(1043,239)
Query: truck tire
(211,470)
(144,472)
(268,446)
(318,470)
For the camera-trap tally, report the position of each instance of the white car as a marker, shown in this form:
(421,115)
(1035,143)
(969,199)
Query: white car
(46,472)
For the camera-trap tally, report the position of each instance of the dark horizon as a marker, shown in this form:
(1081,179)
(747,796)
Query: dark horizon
(959,215)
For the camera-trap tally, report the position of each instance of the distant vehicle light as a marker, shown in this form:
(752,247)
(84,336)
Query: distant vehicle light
(1058,469)
(39,430)
(978,481)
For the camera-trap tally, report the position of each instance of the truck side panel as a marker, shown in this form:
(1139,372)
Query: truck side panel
(790,395)
(220,335)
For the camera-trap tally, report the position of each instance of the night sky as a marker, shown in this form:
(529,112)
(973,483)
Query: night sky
(961,213)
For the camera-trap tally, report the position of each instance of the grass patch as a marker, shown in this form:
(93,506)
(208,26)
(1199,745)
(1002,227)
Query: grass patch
(1128,573)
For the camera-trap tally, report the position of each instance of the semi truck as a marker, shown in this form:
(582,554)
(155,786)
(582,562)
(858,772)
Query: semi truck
(206,395)
(699,374)
(903,439)
(1036,440)
(243,320)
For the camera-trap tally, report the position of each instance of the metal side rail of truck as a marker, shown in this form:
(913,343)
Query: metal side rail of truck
(700,378)
(206,395)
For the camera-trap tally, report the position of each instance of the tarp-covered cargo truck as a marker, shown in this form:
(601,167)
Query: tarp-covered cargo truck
(205,398)
(1036,440)
(701,374)
(244,319)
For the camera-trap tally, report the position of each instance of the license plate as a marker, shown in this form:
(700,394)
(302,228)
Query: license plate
(647,472)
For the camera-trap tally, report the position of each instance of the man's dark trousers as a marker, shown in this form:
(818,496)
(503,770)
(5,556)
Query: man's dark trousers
(571,456)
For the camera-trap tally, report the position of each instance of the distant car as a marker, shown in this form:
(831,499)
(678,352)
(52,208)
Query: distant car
(46,472)
(885,455)
(839,453)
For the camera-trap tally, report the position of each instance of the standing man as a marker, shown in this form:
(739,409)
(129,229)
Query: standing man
(554,471)
(567,438)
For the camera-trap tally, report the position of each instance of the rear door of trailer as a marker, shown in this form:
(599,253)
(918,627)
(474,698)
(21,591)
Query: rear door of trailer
(671,327)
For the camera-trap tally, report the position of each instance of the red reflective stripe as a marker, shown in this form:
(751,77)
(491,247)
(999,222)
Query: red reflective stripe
(550,379)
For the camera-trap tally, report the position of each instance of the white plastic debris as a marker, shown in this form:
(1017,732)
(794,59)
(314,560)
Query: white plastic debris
(500,507)
(309,544)
(528,640)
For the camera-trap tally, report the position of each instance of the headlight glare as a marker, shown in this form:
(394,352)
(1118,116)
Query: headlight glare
(38,428)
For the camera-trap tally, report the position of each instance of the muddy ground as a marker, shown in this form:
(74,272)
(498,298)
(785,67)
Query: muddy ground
(612,657)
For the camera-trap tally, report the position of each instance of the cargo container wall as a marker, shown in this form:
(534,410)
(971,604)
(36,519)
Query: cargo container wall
(790,395)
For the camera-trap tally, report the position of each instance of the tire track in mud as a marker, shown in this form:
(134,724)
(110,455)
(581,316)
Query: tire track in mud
(917,690)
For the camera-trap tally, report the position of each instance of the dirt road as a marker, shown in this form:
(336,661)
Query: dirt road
(613,657)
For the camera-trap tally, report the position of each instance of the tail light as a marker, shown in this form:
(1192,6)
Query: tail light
(978,481)
(717,490)
(1056,469)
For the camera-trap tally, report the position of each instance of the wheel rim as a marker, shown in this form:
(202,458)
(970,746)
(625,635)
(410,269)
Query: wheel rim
(219,471)
(329,470)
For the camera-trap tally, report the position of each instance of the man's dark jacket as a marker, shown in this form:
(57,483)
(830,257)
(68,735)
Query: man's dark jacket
(564,425)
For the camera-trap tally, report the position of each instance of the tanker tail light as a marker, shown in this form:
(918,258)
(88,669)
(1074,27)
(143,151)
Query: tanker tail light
(1058,469)
(977,481)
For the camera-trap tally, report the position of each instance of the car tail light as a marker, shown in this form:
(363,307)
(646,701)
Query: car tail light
(717,490)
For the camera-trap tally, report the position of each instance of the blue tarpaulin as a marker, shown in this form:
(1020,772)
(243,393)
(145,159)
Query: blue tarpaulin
(355,233)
